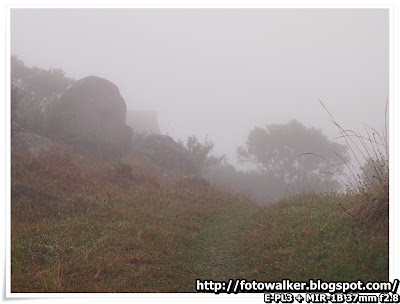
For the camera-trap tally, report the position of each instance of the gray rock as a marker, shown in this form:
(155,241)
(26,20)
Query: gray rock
(28,142)
(15,128)
(96,106)
(143,121)
(42,197)
(166,153)
(196,180)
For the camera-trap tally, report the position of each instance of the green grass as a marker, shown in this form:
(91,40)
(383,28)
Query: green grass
(219,252)
(132,231)
(312,237)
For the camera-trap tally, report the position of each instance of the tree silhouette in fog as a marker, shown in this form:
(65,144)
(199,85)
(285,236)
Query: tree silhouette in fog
(202,152)
(38,90)
(294,154)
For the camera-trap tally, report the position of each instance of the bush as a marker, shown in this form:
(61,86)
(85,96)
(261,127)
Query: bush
(123,168)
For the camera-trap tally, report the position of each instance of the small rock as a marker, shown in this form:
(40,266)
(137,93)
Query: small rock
(32,143)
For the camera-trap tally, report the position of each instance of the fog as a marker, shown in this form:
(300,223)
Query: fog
(221,72)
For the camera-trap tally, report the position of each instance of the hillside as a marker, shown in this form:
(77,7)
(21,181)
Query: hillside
(81,225)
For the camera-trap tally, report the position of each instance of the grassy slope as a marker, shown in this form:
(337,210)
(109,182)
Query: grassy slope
(311,236)
(134,232)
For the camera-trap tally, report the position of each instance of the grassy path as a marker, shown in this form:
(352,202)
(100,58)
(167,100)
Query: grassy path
(218,253)
(135,233)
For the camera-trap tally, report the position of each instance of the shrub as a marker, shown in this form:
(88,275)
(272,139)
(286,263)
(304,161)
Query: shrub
(124,168)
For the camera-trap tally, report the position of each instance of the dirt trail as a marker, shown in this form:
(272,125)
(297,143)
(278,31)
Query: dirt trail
(218,253)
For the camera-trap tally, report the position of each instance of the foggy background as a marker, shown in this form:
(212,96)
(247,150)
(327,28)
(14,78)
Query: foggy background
(221,72)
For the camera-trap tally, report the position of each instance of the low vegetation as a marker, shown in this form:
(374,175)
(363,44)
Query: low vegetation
(315,236)
(124,227)
(121,228)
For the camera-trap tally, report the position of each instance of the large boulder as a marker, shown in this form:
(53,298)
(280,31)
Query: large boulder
(95,106)
(143,121)
(166,153)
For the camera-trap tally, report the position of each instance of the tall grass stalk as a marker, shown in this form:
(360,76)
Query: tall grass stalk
(367,185)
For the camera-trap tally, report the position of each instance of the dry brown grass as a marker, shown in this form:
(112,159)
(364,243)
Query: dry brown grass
(367,177)
(119,230)
(124,227)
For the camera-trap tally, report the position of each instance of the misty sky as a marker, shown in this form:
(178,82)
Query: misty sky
(220,72)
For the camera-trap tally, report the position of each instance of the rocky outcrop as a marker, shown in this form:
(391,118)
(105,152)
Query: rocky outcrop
(15,128)
(28,142)
(19,191)
(143,121)
(95,106)
(166,153)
